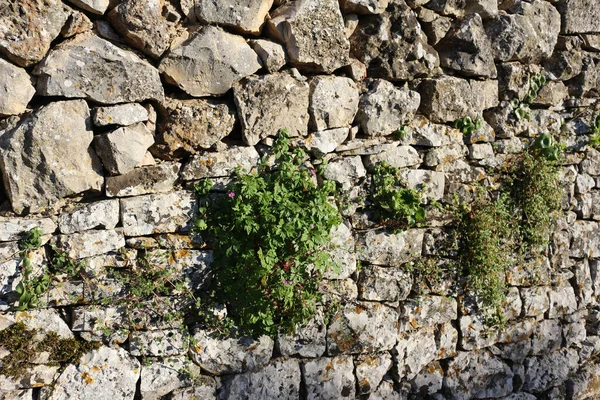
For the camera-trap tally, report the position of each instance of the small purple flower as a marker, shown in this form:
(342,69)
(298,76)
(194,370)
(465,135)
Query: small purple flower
(312,171)
(312,226)
(232,194)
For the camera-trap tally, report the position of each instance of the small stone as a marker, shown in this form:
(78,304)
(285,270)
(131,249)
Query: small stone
(324,142)
(247,17)
(77,23)
(122,115)
(313,34)
(329,378)
(562,302)
(535,300)
(383,284)
(333,102)
(143,180)
(102,213)
(272,54)
(478,375)
(16,89)
(210,62)
(165,343)
(12,229)
(430,183)
(427,311)
(364,6)
(448,98)
(163,376)
(230,355)
(370,370)
(272,102)
(429,380)
(481,151)
(578,16)
(356,70)
(385,108)
(309,340)
(550,369)
(415,350)
(346,171)
(396,156)
(123,149)
(157,213)
(94,6)
(220,164)
(552,94)
(390,249)
(440,157)
(90,243)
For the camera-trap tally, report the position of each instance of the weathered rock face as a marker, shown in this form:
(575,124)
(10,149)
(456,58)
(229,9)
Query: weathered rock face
(578,16)
(27,28)
(165,376)
(143,180)
(247,16)
(210,62)
(329,378)
(333,102)
(37,167)
(122,114)
(16,89)
(364,6)
(93,6)
(269,103)
(102,213)
(123,149)
(92,68)
(220,164)
(448,98)
(313,34)
(272,55)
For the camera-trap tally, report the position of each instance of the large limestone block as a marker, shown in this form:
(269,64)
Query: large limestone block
(313,34)
(16,89)
(28,27)
(91,243)
(210,62)
(47,156)
(94,6)
(165,375)
(333,102)
(448,98)
(329,378)
(143,180)
(246,16)
(220,164)
(391,249)
(11,229)
(579,16)
(93,68)
(101,213)
(123,149)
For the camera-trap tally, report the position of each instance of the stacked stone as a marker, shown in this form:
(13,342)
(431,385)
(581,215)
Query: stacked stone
(111,110)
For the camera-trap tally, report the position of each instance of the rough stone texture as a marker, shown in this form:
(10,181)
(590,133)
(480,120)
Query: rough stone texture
(430,183)
(324,142)
(578,16)
(102,213)
(122,115)
(309,340)
(333,102)
(329,378)
(12,229)
(163,343)
(272,55)
(230,355)
(123,149)
(143,180)
(562,301)
(142,26)
(269,103)
(313,34)
(385,108)
(247,16)
(16,89)
(27,28)
(390,249)
(551,368)
(210,62)
(415,350)
(448,98)
(91,243)
(394,155)
(94,6)
(428,310)
(364,6)
(362,328)
(383,284)
(157,213)
(370,370)
(82,66)
(163,376)
(37,168)
(280,379)
(103,374)
(220,164)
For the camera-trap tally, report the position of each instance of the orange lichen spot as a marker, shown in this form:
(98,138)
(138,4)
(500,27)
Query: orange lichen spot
(87,378)
(358,309)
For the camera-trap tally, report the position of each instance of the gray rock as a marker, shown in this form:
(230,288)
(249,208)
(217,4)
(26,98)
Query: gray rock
(12,229)
(467,49)
(448,98)
(280,379)
(583,283)
(141,24)
(446,338)
(346,171)
(429,381)
(370,370)
(204,390)
(414,350)
(210,62)
(441,157)
(552,94)
(92,68)
(362,328)
(584,385)
(36,165)
(77,23)
(164,343)
(578,16)
(124,148)
(333,102)
(11,274)
(427,311)
(423,132)
(329,378)
(32,376)
(143,180)
(429,183)
(272,102)
(28,29)
(313,34)
(535,300)
(157,213)
(591,164)
(230,355)
(478,375)
(308,340)
(122,115)
(434,25)
(94,6)
(90,243)
(16,89)
(393,46)
(364,6)
(341,248)
(585,239)
(475,334)
(394,155)
(385,108)
(272,55)
(246,17)
(562,302)
(324,142)
(513,80)
(103,374)
(382,248)
(163,376)
(383,284)
(102,213)
(528,34)
(550,369)
(481,151)
(220,164)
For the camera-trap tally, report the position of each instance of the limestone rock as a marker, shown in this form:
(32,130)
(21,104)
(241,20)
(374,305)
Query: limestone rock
(415,350)
(280,379)
(362,328)
(528,34)
(578,16)
(11,270)
(427,310)
(16,89)
(162,343)
(394,155)
(459,8)
(341,249)
(143,180)
(94,6)
(307,341)
(230,355)
(370,370)
(329,378)
(333,102)
(92,68)
(27,29)
(142,26)
(247,16)
(122,115)
(164,375)
(364,6)
(272,102)
(192,125)
(220,164)
(210,62)
(429,381)
(562,302)
(313,34)
(103,374)
(102,213)
(38,167)
(385,108)
(12,229)
(383,284)
(393,45)
(448,98)
(324,142)
(90,243)
(123,149)
(346,171)
(430,183)
(549,369)
(391,249)
(467,49)
(157,213)
(272,55)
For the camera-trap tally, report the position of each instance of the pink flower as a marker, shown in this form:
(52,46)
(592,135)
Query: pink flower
(312,226)
(312,171)
(232,194)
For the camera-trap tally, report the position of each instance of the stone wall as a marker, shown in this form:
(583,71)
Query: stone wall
(110,110)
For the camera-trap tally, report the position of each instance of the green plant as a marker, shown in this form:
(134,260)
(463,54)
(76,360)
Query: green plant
(396,207)
(467,126)
(32,286)
(400,133)
(521,110)
(268,232)
(595,139)
(536,81)
(546,146)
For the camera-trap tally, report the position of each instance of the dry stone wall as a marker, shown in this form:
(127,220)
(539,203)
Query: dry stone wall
(110,111)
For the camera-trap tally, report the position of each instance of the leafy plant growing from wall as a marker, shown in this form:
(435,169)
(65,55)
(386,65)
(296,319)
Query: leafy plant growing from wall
(268,232)
(595,139)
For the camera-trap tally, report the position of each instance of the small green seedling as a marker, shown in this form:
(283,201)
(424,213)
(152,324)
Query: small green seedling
(467,126)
